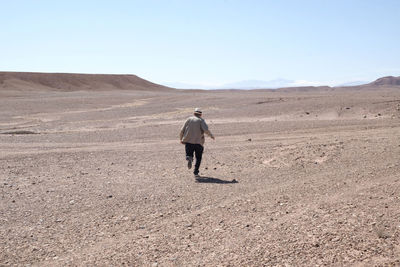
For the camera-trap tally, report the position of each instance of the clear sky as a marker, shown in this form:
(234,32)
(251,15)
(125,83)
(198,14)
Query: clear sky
(204,42)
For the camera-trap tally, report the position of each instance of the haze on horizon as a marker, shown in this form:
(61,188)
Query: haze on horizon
(206,44)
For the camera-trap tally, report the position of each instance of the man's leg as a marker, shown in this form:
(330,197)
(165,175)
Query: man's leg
(199,153)
(189,148)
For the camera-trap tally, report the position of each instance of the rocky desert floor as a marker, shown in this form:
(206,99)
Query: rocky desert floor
(100,179)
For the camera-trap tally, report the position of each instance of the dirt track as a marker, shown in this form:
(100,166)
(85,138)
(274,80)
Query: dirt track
(100,179)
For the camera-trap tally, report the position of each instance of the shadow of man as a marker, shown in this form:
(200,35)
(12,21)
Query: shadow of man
(205,179)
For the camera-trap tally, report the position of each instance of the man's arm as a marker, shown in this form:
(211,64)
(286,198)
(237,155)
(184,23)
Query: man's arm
(182,132)
(204,127)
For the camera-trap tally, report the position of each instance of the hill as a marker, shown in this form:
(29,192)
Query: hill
(75,82)
(389,80)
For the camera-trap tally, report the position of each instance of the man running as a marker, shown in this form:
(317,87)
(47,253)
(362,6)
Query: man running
(192,136)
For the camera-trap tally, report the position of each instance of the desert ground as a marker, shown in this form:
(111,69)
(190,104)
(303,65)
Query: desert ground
(99,178)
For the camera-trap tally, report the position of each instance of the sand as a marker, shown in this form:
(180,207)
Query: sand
(98,177)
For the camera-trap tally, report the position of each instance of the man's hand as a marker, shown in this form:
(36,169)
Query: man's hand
(212,137)
(182,142)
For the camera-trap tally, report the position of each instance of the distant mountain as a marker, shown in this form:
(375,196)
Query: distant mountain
(182,85)
(244,85)
(258,84)
(354,83)
(389,80)
(74,82)
(306,89)
(92,82)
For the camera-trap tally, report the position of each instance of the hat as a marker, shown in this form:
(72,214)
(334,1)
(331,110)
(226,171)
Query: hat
(198,111)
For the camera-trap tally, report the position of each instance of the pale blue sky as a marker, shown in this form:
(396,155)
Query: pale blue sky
(204,42)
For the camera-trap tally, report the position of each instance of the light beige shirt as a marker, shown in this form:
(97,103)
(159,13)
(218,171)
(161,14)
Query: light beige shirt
(193,131)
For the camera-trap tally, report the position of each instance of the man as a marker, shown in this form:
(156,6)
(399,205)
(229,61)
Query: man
(192,136)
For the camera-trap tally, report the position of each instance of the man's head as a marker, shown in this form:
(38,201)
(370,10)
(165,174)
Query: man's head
(198,112)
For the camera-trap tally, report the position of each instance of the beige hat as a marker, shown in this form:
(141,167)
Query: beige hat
(198,111)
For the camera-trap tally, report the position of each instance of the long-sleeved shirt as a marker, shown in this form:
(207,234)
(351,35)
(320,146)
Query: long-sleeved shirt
(193,130)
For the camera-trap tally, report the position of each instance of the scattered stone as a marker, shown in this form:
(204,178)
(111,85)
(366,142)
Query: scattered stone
(382,233)
(249,139)
(308,113)
(109,196)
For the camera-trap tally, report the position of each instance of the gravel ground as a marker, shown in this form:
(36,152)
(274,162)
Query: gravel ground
(99,178)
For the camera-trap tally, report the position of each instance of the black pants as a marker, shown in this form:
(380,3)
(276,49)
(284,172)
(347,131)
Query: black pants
(198,150)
